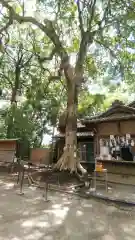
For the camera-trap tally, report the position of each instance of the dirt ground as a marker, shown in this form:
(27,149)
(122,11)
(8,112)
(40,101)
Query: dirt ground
(65,217)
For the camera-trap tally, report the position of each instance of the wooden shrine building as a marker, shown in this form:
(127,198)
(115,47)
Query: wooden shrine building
(110,137)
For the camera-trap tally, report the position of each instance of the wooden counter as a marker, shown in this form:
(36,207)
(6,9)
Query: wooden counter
(117,161)
(120,171)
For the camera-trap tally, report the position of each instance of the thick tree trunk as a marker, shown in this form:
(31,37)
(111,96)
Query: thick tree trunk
(10,127)
(52,145)
(69,159)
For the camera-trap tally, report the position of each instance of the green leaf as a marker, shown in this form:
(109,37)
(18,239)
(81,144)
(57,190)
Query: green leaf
(76,43)
(130,15)
(17,8)
(90,65)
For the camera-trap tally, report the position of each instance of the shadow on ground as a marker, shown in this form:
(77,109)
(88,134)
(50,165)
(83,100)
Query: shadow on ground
(65,217)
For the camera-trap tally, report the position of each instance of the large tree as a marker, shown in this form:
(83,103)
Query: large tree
(32,100)
(74,30)
(15,62)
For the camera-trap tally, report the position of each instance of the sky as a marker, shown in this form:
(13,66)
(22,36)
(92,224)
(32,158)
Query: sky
(46,139)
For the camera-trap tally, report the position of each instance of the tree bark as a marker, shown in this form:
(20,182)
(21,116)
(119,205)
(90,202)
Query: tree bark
(69,159)
(52,145)
(13,101)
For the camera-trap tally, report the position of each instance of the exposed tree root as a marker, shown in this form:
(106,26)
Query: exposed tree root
(69,162)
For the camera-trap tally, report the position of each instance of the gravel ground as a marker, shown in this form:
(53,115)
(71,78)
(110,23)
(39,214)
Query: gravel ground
(65,217)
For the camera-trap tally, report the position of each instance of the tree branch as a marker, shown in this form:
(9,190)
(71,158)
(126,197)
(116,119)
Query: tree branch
(47,28)
(28,60)
(88,36)
(4,28)
(112,53)
(51,77)
(50,57)
(104,15)
(92,11)
(86,39)
(80,18)
(7,78)
(9,55)
(106,47)
(20,56)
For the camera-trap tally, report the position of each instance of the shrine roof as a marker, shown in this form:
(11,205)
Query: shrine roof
(117,111)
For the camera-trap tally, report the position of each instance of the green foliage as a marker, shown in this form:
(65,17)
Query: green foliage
(90,104)
(37,100)
(23,126)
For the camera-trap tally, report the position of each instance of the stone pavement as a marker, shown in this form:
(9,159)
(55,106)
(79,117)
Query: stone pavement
(118,192)
(124,194)
(65,217)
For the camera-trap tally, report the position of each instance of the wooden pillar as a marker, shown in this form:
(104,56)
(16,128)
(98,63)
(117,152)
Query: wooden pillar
(96,143)
(94,146)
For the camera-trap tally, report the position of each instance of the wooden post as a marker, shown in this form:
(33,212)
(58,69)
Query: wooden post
(18,176)
(21,180)
(18,172)
(21,177)
(45,194)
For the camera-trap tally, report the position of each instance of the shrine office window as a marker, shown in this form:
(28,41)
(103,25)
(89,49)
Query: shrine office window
(82,152)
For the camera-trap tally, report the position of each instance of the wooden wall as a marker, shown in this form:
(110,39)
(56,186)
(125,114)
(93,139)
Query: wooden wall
(7,145)
(7,150)
(116,128)
(106,129)
(40,155)
(128,127)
